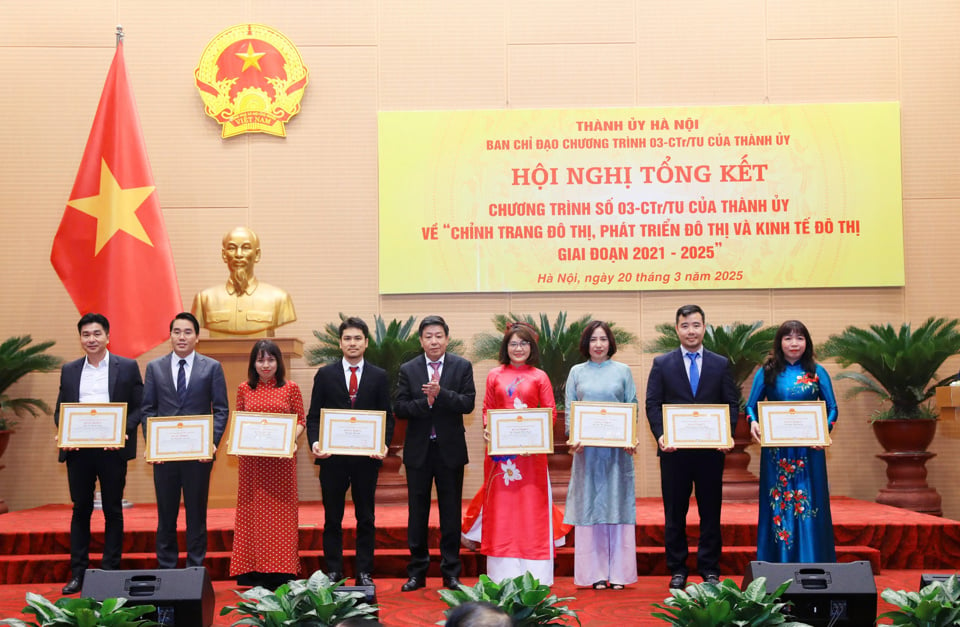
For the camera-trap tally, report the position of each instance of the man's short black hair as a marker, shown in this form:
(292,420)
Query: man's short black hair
(94,318)
(186,315)
(429,321)
(355,323)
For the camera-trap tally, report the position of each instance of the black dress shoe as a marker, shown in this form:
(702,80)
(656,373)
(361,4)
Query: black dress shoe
(451,583)
(364,579)
(73,586)
(678,581)
(414,583)
(334,576)
(711,578)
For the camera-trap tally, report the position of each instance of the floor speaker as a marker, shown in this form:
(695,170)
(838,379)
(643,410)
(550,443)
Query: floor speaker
(822,593)
(369,592)
(928,578)
(183,596)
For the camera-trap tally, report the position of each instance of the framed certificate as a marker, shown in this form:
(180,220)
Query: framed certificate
(92,425)
(262,435)
(353,432)
(697,426)
(519,431)
(179,438)
(604,424)
(793,423)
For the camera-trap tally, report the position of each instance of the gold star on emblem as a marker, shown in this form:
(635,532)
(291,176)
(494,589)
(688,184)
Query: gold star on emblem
(114,208)
(250,58)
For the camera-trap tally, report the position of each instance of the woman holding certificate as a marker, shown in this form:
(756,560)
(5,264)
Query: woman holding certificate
(601,503)
(517,524)
(265,535)
(794,523)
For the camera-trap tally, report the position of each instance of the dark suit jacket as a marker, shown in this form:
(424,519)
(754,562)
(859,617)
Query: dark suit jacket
(668,383)
(457,397)
(124,386)
(330,392)
(206,392)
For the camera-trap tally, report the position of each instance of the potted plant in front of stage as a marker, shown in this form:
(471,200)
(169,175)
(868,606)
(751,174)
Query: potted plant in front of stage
(524,598)
(315,601)
(559,345)
(746,345)
(725,605)
(391,344)
(935,604)
(70,611)
(900,368)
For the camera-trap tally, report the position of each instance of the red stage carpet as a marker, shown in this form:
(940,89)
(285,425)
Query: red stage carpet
(900,544)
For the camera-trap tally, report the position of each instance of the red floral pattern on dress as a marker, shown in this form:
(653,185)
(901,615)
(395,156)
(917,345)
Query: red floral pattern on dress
(789,503)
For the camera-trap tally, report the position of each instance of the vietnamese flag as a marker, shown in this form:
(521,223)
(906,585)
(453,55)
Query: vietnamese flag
(111,250)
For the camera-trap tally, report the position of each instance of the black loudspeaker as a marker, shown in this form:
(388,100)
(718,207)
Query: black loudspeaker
(928,578)
(822,592)
(369,592)
(183,596)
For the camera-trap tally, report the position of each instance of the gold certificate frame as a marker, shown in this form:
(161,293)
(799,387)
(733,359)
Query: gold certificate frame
(697,426)
(261,434)
(603,424)
(179,438)
(92,425)
(353,432)
(520,431)
(793,423)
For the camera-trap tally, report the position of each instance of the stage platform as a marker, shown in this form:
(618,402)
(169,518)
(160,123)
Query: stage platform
(34,543)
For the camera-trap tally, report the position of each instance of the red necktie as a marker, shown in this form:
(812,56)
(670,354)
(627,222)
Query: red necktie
(353,385)
(434,377)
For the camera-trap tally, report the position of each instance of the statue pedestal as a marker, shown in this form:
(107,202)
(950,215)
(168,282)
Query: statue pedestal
(234,354)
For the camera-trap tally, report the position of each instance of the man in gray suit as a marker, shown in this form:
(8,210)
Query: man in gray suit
(184,383)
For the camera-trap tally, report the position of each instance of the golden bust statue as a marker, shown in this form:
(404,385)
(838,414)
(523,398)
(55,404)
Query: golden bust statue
(243,305)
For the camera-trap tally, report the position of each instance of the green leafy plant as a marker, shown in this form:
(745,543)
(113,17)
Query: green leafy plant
(18,359)
(524,598)
(69,611)
(725,605)
(936,605)
(313,602)
(745,344)
(390,346)
(900,365)
(559,344)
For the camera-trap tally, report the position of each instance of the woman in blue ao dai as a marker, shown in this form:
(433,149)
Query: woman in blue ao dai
(601,503)
(794,519)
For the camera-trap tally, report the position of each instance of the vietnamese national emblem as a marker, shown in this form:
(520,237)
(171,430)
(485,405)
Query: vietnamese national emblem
(251,79)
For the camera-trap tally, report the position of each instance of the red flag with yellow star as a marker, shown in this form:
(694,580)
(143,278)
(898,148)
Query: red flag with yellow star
(111,250)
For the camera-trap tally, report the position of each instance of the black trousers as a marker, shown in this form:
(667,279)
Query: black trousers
(449,482)
(359,474)
(681,473)
(192,480)
(84,468)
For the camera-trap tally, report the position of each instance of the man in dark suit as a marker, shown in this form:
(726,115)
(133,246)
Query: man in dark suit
(98,378)
(350,383)
(690,375)
(184,383)
(435,390)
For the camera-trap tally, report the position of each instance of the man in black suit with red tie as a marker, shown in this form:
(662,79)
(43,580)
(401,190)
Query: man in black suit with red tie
(686,376)
(349,383)
(100,377)
(435,390)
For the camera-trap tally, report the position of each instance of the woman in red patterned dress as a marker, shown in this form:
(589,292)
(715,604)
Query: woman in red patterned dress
(265,534)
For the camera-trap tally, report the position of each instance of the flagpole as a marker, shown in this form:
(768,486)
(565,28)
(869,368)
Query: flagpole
(119,35)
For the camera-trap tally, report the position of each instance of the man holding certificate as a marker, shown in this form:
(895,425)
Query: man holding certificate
(690,375)
(349,385)
(184,383)
(100,377)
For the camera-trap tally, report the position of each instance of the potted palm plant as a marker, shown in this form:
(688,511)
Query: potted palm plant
(899,367)
(390,346)
(559,345)
(18,358)
(745,345)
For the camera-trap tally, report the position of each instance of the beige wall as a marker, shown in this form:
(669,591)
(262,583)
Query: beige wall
(313,196)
